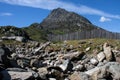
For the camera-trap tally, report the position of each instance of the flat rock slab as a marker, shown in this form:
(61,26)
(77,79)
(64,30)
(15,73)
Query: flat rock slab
(20,75)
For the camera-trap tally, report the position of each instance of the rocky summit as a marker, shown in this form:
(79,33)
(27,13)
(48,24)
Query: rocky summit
(69,60)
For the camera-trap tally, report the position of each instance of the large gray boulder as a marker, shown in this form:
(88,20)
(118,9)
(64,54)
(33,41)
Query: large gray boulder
(111,70)
(114,69)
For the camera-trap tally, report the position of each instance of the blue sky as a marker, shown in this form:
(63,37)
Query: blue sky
(22,13)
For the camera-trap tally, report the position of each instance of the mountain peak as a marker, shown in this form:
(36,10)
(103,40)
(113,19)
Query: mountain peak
(59,15)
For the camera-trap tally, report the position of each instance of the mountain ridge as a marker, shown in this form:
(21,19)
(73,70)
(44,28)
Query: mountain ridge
(61,24)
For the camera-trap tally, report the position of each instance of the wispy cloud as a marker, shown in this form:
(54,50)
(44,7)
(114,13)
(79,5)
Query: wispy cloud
(6,14)
(52,4)
(104,19)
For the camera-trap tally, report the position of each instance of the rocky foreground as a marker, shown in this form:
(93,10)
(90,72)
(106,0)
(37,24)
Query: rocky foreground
(37,61)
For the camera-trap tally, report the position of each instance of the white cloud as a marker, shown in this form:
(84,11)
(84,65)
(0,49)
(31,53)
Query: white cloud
(104,19)
(52,4)
(6,14)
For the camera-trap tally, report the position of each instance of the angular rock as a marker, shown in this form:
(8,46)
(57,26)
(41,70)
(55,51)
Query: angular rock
(74,55)
(100,56)
(19,38)
(16,69)
(79,76)
(92,71)
(42,46)
(114,69)
(23,62)
(108,52)
(20,75)
(42,73)
(78,67)
(111,70)
(94,61)
(87,49)
(89,66)
(66,66)
(36,63)
(57,72)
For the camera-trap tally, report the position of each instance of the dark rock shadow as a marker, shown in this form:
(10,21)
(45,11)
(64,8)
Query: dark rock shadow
(4,75)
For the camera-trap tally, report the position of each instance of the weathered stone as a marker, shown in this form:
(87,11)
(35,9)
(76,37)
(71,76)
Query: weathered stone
(42,46)
(19,38)
(36,63)
(20,75)
(94,61)
(89,66)
(100,56)
(66,65)
(111,70)
(79,76)
(78,67)
(114,69)
(23,62)
(108,52)
(16,69)
(100,74)
(42,73)
(74,55)
(92,71)
(100,64)
(57,72)
(87,49)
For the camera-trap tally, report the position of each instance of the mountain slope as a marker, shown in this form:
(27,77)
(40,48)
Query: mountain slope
(62,21)
(65,25)
(34,33)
